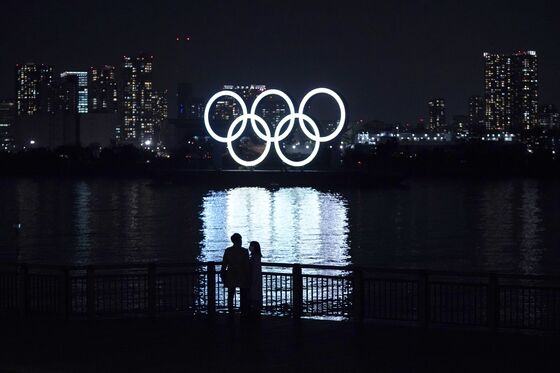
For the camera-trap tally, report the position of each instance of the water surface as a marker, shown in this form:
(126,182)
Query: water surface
(500,225)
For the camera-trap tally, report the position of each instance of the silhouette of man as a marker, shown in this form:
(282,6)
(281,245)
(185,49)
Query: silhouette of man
(235,273)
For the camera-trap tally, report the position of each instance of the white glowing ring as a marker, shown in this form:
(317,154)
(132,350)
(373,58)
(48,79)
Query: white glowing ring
(302,117)
(291,107)
(231,138)
(239,99)
(278,134)
(338,100)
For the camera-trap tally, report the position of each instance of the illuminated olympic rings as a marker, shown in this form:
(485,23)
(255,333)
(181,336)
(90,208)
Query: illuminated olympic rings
(234,133)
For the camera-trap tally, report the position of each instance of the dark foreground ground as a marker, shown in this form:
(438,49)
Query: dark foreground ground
(268,345)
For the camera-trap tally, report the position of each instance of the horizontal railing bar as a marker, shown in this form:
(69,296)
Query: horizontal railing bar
(327,276)
(309,266)
(367,270)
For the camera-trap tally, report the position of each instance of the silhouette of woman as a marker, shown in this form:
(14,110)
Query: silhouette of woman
(255,289)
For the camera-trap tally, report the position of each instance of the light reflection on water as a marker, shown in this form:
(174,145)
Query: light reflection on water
(495,225)
(292,224)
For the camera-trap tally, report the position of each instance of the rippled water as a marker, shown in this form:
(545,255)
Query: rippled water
(296,224)
(505,225)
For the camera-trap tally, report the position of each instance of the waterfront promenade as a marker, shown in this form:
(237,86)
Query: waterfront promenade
(215,344)
(157,317)
(403,297)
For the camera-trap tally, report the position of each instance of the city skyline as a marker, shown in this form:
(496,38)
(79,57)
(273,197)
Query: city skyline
(137,112)
(385,69)
(497,73)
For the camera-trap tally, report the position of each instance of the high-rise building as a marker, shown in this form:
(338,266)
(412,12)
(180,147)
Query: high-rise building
(476,112)
(68,92)
(82,80)
(510,90)
(7,120)
(272,109)
(227,108)
(65,125)
(138,120)
(34,89)
(102,94)
(436,114)
(160,107)
(188,107)
(195,109)
(184,94)
(549,116)
(248,92)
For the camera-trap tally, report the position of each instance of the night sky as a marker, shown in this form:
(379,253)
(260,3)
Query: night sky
(386,58)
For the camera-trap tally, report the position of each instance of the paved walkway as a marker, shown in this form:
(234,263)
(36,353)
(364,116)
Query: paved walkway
(268,345)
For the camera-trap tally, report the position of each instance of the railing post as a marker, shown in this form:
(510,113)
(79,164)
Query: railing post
(358,295)
(211,290)
(492,303)
(424,300)
(90,295)
(297,291)
(23,290)
(152,289)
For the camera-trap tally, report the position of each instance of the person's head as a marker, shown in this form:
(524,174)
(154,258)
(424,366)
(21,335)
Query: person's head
(236,239)
(255,249)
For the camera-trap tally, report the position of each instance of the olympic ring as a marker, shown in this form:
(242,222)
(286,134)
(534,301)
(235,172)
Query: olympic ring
(207,112)
(302,117)
(231,138)
(278,136)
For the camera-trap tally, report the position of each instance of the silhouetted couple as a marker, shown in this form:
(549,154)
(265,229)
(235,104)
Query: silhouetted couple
(239,270)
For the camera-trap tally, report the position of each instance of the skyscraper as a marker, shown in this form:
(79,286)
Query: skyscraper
(248,92)
(160,107)
(227,108)
(549,116)
(188,107)
(65,129)
(195,109)
(82,80)
(7,119)
(184,94)
(34,89)
(436,114)
(510,90)
(68,92)
(476,112)
(138,118)
(272,109)
(102,94)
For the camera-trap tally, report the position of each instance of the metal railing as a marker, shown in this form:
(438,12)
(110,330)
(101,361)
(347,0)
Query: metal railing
(425,298)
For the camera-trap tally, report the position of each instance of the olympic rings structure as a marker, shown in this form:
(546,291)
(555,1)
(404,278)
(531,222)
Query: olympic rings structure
(239,125)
